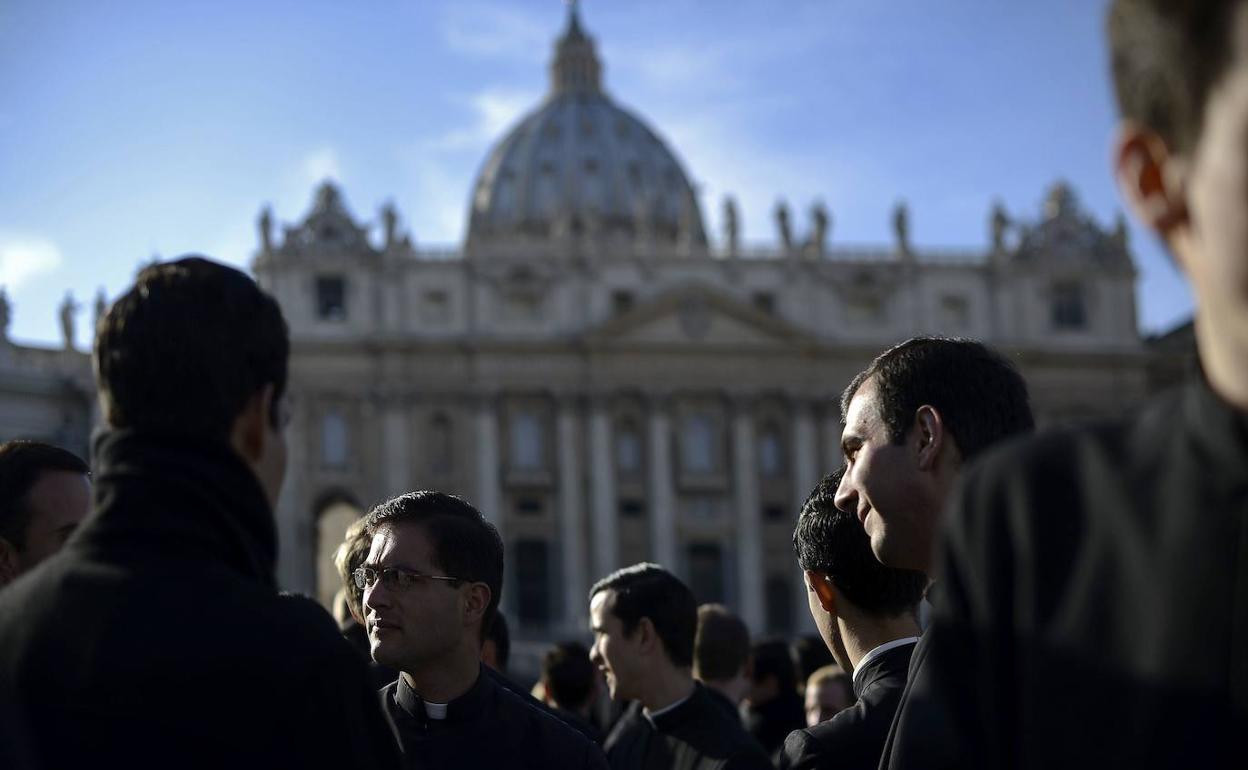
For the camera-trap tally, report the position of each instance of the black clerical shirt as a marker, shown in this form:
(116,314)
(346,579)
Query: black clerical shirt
(854,738)
(487,727)
(1094,602)
(696,734)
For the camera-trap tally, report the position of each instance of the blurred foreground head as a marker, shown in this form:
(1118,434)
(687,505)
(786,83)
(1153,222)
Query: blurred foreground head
(44,494)
(197,349)
(1180,70)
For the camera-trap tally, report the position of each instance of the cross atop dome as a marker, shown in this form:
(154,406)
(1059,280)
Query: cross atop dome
(576,66)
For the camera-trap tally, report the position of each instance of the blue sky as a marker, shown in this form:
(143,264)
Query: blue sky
(134,129)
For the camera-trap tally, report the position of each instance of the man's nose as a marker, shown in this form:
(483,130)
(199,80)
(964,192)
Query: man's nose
(375,596)
(846,498)
(594,656)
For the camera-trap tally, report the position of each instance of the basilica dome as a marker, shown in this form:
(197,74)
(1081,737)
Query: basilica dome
(581,164)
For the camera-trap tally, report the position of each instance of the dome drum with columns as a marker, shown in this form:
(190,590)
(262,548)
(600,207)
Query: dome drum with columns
(607,388)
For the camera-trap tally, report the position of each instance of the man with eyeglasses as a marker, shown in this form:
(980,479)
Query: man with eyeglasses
(432,583)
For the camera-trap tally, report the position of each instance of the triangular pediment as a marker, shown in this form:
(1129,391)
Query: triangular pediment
(698,315)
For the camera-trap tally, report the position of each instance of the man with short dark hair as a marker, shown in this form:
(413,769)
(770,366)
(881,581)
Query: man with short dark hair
(432,583)
(721,656)
(45,492)
(773,707)
(867,615)
(570,680)
(644,621)
(913,419)
(156,636)
(1095,602)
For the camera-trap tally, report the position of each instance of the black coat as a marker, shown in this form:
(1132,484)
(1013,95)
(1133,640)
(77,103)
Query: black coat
(1094,602)
(696,735)
(156,637)
(487,727)
(771,722)
(854,738)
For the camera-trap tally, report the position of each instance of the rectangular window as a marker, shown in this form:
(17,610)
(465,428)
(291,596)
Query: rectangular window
(765,301)
(435,307)
(622,301)
(526,442)
(632,509)
(706,571)
(955,313)
(779,600)
(697,444)
(331,298)
(1069,309)
(532,582)
(529,506)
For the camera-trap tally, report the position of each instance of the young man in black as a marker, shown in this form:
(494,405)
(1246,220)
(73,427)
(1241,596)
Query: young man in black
(866,614)
(432,583)
(721,656)
(156,636)
(913,419)
(774,706)
(1095,608)
(45,493)
(644,620)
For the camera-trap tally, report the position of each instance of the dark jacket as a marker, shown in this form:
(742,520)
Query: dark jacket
(486,727)
(156,637)
(771,722)
(696,735)
(854,738)
(1093,609)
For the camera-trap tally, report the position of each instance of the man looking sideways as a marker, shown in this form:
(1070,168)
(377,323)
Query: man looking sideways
(432,583)
(644,621)
(45,493)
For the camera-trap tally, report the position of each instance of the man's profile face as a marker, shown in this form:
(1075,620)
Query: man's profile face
(413,626)
(58,502)
(825,700)
(614,653)
(883,487)
(1217,198)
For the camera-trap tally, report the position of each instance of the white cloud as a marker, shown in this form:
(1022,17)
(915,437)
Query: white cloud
(494,111)
(495,30)
(23,257)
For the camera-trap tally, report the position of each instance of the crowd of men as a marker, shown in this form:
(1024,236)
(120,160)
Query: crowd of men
(1088,587)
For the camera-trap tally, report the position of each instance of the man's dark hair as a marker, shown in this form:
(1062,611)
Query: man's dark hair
(352,553)
(771,658)
(465,545)
(569,675)
(21,464)
(649,591)
(979,394)
(185,348)
(830,540)
(1166,57)
(722,645)
(501,636)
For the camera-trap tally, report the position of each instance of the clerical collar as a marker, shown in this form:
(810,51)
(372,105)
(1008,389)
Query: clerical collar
(653,715)
(435,710)
(877,652)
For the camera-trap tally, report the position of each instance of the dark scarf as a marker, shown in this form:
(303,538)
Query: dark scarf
(160,495)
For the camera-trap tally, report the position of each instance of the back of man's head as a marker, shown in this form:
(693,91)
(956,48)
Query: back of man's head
(23,464)
(832,541)
(497,649)
(569,675)
(721,649)
(979,394)
(771,660)
(186,348)
(464,543)
(351,554)
(649,591)
(1166,58)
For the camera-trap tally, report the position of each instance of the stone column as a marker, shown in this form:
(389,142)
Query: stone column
(571,513)
(662,493)
(749,535)
(489,489)
(806,465)
(396,453)
(602,474)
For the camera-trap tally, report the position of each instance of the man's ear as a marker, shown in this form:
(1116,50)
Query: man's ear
(476,600)
(647,636)
(10,562)
(1151,178)
(819,582)
(931,437)
(250,433)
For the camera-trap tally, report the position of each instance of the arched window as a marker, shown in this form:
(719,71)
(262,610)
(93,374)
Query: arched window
(441,447)
(770,452)
(334,439)
(628,448)
(331,530)
(697,444)
(526,441)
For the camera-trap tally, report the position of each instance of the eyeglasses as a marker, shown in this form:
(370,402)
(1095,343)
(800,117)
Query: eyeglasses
(395,578)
